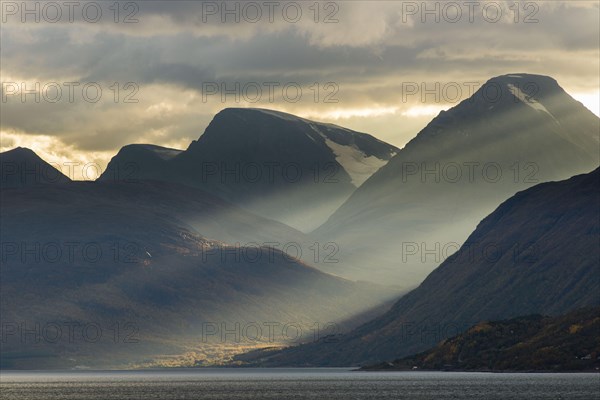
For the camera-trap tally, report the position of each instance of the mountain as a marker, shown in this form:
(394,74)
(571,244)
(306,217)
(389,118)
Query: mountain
(277,165)
(537,253)
(516,131)
(21,167)
(117,274)
(137,160)
(531,343)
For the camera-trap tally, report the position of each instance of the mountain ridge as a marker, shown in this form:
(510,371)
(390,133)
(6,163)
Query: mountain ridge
(455,171)
(275,164)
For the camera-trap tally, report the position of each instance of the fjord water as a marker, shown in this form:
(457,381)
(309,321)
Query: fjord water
(217,384)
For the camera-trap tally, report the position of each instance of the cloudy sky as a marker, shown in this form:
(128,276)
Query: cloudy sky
(100,76)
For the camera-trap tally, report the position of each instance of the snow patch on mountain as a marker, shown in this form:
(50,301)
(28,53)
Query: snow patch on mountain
(530,101)
(355,162)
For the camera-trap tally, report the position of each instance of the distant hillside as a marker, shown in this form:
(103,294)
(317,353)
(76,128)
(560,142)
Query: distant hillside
(21,167)
(138,161)
(532,343)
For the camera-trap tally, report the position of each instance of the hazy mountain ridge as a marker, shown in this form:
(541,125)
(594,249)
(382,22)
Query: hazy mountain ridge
(457,170)
(274,164)
(137,161)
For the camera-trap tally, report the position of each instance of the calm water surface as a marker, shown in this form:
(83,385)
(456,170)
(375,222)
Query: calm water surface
(279,384)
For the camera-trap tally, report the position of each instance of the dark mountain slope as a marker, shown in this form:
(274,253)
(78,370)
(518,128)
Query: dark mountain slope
(536,253)
(532,343)
(21,167)
(135,161)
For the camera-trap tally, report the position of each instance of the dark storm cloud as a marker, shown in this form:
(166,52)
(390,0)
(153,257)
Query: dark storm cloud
(171,54)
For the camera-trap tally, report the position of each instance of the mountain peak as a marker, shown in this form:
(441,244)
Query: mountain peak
(520,77)
(518,87)
(257,120)
(261,112)
(511,103)
(22,167)
(20,151)
(528,133)
(164,153)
